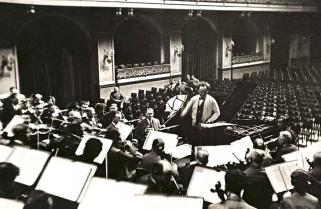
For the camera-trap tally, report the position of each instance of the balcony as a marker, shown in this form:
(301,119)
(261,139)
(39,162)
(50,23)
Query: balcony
(247,58)
(142,71)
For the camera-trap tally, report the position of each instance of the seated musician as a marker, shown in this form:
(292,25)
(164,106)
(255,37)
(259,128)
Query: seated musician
(258,190)
(72,133)
(203,109)
(51,113)
(234,184)
(161,180)
(154,156)
(122,157)
(201,159)
(36,99)
(11,107)
(300,197)
(108,117)
(114,125)
(258,144)
(315,173)
(117,97)
(38,199)
(88,117)
(147,124)
(285,146)
(92,149)
(36,117)
(83,106)
(8,173)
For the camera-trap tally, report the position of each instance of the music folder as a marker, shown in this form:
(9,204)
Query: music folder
(280,175)
(4,152)
(30,162)
(102,155)
(170,140)
(66,178)
(16,120)
(241,146)
(219,155)
(102,192)
(10,204)
(202,181)
(124,130)
(182,151)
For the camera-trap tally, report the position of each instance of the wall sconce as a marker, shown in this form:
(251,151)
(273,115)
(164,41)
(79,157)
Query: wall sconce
(269,45)
(191,13)
(130,12)
(119,12)
(31,10)
(178,51)
(108,57)
(229,47)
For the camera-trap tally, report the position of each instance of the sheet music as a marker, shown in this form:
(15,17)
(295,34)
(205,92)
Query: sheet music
(241,146)
(217,124)
(297,156)
(100,188)
(16,120)
(280,175)
(124,130)
(106,146)
(286,170)
(170,140)
(10,204)
(202,181)
(30,162)
(219,155)
(66,179)
(4,152)
(274,175)
(182,151)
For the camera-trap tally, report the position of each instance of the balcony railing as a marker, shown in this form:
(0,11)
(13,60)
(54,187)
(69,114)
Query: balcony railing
(135,72)
(247,58)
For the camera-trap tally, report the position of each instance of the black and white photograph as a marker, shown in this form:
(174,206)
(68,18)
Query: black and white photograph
(160,104)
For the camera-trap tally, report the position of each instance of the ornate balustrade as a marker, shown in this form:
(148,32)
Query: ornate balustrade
(247,58)
(134,72)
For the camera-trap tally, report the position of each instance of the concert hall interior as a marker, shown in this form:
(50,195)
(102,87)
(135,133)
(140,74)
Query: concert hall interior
(177,104)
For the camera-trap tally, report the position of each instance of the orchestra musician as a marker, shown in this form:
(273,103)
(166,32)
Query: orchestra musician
(147,124)
(117,97)
(203,109)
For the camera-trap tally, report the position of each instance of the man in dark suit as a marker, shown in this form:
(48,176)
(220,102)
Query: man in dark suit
(186,172)
(147,124)
(258,190)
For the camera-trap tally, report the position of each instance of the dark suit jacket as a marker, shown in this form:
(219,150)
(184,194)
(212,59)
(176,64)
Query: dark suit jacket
(258,190)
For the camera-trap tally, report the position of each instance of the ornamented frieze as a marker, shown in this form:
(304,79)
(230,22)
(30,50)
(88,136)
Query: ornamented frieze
(247,58)
(134,72)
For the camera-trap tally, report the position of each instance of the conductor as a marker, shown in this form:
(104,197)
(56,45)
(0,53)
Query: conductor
(203,109)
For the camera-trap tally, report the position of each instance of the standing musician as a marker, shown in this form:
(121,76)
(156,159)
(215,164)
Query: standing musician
(203,109)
